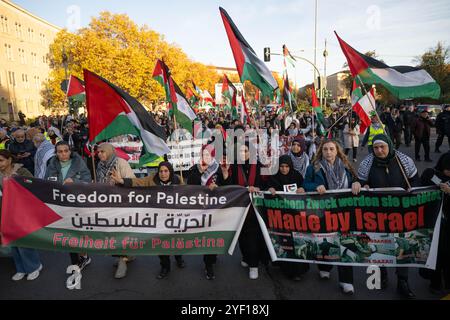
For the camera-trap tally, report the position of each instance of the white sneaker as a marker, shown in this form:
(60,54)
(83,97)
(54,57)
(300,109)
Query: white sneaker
(324,275)
(35,274)
(18,276)
(253,273)
(244,264)
(347,288)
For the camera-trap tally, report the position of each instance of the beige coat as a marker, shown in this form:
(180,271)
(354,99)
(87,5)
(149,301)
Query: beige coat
(145,182)
(124,170)
(351,137)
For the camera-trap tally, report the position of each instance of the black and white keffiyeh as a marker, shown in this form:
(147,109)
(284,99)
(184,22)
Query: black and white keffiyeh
(335,174)
(407,164)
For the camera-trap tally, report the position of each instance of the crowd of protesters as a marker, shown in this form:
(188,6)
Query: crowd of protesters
(315,160)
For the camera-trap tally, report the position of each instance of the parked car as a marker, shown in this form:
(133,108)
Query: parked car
(433,110)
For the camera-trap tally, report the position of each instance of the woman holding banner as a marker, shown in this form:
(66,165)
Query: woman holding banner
(68,167)
(288,180)
(298,155)
(210,174)
(109,162)
(251,241)
(331,170)
(164,177)
(381,169)
(27,261)
(442,271)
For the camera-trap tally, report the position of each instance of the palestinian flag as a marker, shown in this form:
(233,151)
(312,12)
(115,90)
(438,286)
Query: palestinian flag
(245,116)
(76,90)
(277,97)
(230,92)
(403,82)
(317,109)
(287,95)
(208,99)
(113,112)
(288,57)
(249,66)
(106,220)
(362,106)
(190,95)
(180,107)
(257,97)
(197,89)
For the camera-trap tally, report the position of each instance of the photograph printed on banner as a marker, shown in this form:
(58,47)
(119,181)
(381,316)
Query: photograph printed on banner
(329,248)
(413,247)
(362,247)
(305,246)
(282,244)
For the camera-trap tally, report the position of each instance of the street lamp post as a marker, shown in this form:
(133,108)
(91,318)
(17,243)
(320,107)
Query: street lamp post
(268,54)
(325,55)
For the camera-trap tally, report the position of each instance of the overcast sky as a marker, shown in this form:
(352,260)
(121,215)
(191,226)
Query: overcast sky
(398,30)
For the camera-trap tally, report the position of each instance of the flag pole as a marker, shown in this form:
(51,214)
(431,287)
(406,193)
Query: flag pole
(312,116)
(177,141)
(385,132)
(336,122)
(93,162)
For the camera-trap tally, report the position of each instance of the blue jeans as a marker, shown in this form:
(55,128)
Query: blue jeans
(26,260)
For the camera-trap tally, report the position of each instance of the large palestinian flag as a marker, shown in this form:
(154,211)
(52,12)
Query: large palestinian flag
(76,90)
(113,112)
(249,66)
(102,219)
(180,107)
(403,82)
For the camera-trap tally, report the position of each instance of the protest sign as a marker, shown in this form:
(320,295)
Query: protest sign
(102,219)
(185,154)
(378,227)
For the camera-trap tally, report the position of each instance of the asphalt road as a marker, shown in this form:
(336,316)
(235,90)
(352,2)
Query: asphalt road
(231,282)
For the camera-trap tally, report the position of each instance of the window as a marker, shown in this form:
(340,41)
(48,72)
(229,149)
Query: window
(18,30)
(26,84)
(34,58)
(23,59)
(42,39)
(4,24)
(8,51)
(12,78)
(37,82)
(31,34)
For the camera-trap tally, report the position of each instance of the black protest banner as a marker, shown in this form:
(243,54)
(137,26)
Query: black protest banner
(377,227)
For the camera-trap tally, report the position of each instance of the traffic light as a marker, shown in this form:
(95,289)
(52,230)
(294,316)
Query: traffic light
(266,54)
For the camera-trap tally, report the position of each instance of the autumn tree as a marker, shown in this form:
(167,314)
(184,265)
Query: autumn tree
(436,61)
(116,48)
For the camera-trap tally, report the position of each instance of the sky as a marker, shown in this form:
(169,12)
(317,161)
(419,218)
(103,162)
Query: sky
(398,30)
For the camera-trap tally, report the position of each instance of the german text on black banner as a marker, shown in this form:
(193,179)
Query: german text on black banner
(378,227)
(111,220)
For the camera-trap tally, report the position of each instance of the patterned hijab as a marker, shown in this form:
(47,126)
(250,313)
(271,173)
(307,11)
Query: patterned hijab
(105,168)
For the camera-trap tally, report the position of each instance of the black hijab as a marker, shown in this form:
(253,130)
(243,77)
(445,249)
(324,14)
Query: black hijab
(384,162)
(173,178)
(279,180)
